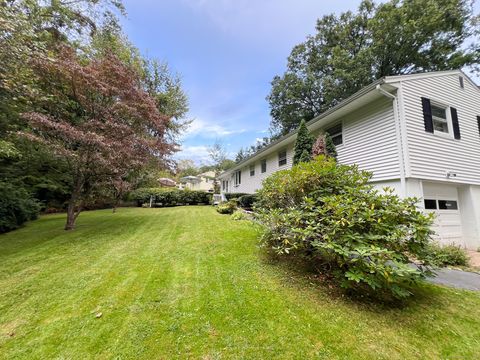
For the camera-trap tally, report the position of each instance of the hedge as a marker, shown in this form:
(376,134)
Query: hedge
(162,197)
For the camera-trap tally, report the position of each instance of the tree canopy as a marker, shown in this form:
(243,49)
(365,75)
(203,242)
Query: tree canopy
(71,79)
(351,50)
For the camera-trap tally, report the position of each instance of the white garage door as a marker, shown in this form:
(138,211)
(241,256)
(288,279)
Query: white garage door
(443,201)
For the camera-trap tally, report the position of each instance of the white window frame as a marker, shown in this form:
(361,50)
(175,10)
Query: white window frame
(448,120)
(237,178)
(264,161)
(252,170)
(283,158)
(338,133)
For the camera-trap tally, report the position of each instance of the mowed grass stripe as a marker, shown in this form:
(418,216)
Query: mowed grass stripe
(187,282)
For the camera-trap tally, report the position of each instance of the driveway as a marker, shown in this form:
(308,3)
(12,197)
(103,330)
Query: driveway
(457,279)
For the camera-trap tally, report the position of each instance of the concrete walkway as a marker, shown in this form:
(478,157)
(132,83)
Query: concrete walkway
(457,279)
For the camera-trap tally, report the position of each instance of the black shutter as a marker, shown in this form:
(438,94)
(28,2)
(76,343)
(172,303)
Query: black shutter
(456,127)
(427,115)
(478,122)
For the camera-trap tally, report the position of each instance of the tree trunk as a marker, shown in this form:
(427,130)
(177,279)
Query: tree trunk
(72,212)
(70,225)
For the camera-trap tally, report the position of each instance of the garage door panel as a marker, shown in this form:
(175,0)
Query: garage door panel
(442,200)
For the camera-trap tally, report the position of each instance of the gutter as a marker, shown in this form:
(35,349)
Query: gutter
(330,111)
(397,120)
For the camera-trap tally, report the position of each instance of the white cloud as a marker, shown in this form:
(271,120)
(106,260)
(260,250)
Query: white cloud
(209,130)
(199,154)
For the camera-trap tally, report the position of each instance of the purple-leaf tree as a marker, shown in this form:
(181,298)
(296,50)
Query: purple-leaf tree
(97,118)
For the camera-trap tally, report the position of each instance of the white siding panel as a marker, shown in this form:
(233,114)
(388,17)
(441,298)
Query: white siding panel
(249,183)
(431,156)
(369,140)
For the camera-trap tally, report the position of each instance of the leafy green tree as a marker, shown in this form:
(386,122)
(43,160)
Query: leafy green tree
(353,49)
(303,144)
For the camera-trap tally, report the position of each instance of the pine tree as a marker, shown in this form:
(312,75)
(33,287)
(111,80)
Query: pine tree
(330,146)
(303,144)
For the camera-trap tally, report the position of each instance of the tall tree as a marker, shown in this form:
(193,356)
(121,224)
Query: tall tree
(353,49)
(99,119)
(303,144)
(218,156)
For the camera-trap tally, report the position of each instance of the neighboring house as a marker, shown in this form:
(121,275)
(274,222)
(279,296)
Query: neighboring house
(419,134)
(200,182)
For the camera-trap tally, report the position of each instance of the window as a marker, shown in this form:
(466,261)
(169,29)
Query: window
(282,158)
(460,79)
(238,177)
(430,204)
(252,170)
(336,134)
(447,205)
(439,117)
(264,166)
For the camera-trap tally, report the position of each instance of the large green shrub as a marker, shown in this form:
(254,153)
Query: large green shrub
(16,207)
(230,196)
(167,197)
(330,215)
(227,207)
(247,201)
(447,255)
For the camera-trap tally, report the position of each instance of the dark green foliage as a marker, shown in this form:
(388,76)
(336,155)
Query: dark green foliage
(352,49)
(448,255)
(330,146)
(247,201)
(162,197)
(230,196)
(16,207)
(227,207)
(303,144)
(328,214)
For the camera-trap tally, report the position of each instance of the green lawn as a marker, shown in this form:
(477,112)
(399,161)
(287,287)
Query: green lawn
(187,282)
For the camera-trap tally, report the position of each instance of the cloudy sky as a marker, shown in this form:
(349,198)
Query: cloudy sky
(227,52)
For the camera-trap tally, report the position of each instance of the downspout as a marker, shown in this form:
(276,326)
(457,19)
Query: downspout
(396,117)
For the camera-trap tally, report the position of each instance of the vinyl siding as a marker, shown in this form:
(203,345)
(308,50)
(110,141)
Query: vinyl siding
(250,184)
(369,140)
(430,156)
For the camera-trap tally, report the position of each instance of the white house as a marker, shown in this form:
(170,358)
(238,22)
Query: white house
(419,134)
(200,182)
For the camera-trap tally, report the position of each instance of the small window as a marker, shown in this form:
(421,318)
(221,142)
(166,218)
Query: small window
(439,117)
(430,204)
(460,79)
(336,134)
(447,205)
(238,177)
(252,170)
(264,166)
(282,158)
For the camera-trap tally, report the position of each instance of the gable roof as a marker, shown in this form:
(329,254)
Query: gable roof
(431,74)
(387,80)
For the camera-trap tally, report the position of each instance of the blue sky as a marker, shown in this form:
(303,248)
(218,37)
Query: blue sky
(227,52)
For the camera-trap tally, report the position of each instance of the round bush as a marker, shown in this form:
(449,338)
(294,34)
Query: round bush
(330,215)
